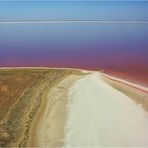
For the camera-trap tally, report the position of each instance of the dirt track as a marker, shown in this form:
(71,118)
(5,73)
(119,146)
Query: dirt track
(21,99)
(51,116)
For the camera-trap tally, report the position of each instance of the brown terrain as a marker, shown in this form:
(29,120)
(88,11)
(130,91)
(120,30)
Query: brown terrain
(27,93)
(20,97)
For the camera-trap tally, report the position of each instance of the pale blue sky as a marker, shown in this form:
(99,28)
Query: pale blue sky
(74,10)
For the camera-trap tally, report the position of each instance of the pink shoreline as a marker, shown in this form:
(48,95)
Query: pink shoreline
(130,77)
(140,89)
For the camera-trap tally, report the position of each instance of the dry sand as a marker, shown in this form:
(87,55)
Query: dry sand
(138,96)
(100,115)
(50,119)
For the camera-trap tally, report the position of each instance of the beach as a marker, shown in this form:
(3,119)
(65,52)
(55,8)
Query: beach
(91,110)
(51,107)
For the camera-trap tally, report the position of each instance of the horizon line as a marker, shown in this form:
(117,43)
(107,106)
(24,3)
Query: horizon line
(73,21)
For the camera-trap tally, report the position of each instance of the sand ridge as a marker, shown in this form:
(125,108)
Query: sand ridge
(48,129)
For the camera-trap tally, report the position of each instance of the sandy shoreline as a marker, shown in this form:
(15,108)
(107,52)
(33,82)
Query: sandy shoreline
(50,120)
(48,125)
(100,115)
(140,97)
(42,115)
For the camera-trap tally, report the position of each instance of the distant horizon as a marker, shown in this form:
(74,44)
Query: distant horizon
(116,40)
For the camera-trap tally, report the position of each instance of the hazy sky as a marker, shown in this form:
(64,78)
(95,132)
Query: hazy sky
(74,10)
(85,45)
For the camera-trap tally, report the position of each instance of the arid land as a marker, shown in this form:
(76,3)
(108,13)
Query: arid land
(21,91)
(30,97)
